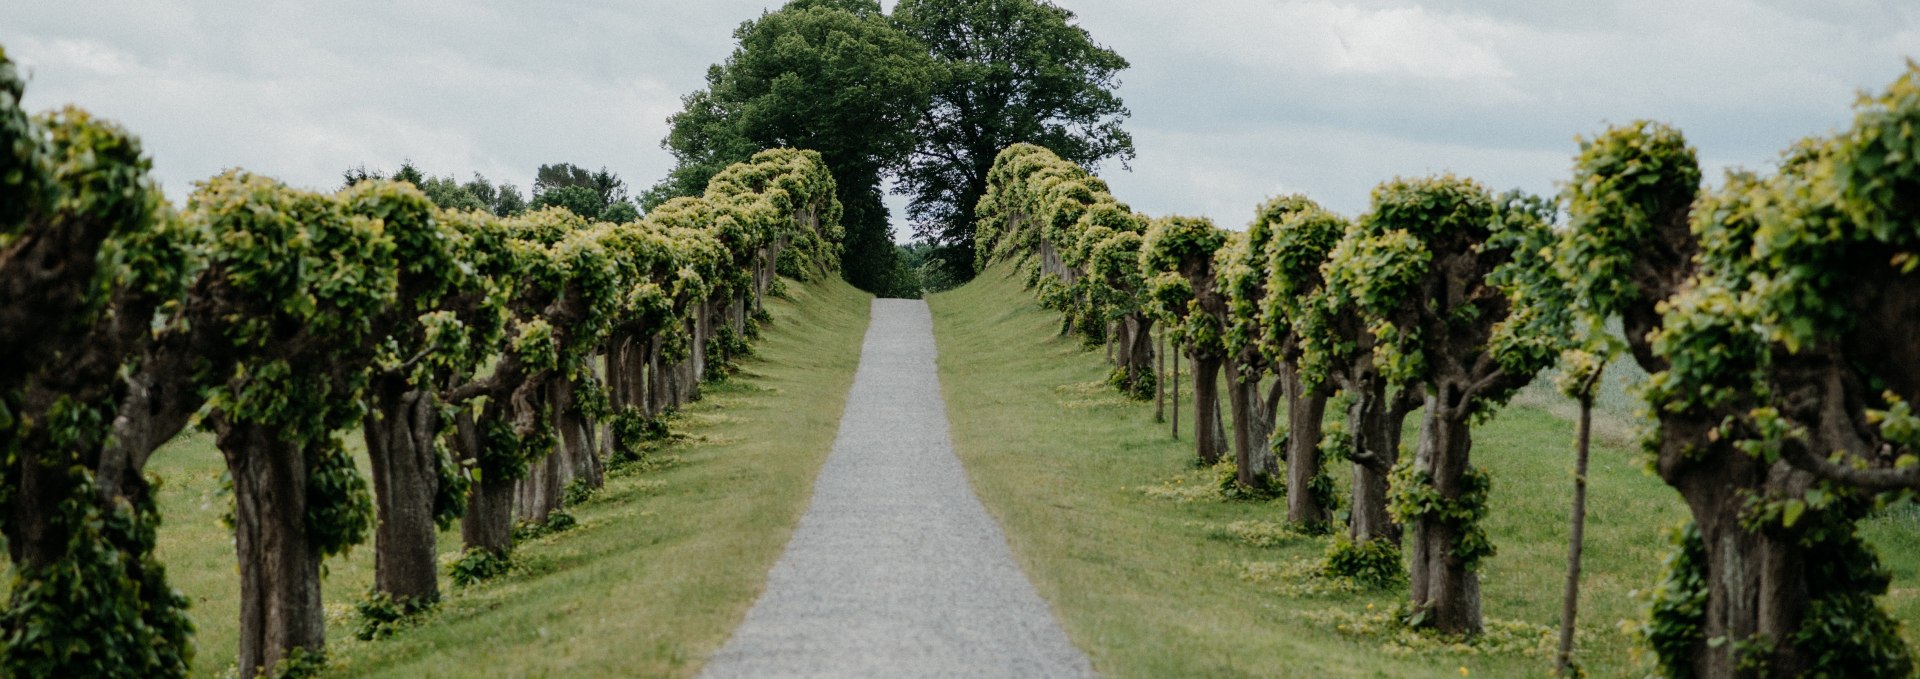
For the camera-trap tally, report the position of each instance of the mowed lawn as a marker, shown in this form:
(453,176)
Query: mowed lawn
(1171,583)
(663,565)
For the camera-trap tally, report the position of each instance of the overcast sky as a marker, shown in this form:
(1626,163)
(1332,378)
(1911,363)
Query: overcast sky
(1233,100)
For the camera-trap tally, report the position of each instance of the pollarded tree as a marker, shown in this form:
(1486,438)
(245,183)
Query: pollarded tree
(447,319)
(1426,270)
(1784,382)
(1119,291)
(1260,340)
(1177,256)
(307,281)
(89,256)
(1079,248)
(1242,280)
(1300,237)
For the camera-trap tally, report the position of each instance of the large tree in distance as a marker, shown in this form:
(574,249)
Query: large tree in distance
(834,76)
(1010,71)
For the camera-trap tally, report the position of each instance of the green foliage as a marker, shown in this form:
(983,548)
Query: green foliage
(1778,348)
(836,78)
(579,200)
(478,565)
(1411,497)
(1227,485)
(103,610)
(1677,605)
(577,492)
(380,614)
(339,504)
(299,663)
(1375,563)
(1139,387)
(1627,184)
(1845,629)
(557,521)
(1007,72)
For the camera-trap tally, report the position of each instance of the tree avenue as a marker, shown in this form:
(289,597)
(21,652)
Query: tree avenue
(287,317)
(1773,316)
(927,96)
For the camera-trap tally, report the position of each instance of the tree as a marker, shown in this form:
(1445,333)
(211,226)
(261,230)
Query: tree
(90,254)
(1177,256)
(579,200)
(446,192)
(1775,316)
(833,76)
(1009,71)
(608,189)
(1426,268)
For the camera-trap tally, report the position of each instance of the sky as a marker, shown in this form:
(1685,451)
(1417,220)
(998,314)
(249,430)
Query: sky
(1233,101)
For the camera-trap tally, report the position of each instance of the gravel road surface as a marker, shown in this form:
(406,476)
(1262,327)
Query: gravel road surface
(896,570)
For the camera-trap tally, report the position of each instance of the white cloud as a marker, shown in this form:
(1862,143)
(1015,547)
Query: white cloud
(1233,99)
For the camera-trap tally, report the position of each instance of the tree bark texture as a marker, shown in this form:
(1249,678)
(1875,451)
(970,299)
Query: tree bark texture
(1208,436)
(1254,460)
(280,605)
(1576,537)
(1375,420)
(1443,588)
(1306,409)
(401,433)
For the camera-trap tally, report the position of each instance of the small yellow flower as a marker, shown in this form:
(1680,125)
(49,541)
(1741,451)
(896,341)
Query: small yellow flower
(1463,670)
(1369,607)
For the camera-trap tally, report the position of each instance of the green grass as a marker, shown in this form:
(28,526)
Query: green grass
(1155,587)
(663,565)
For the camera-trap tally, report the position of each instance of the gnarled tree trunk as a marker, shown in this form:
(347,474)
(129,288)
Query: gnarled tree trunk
(280,606)
(1375,420)
(488,523)
(1209,436)
(1253,454)
(1446,593)
(400,434)
(1306,409)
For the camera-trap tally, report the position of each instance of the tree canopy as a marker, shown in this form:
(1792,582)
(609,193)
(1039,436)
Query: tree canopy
(834,76)
(1009,71)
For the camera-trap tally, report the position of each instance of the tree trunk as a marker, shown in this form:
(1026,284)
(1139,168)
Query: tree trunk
(1206,409)
(1252,454)
(1446,594)
(1176,391)
(1570,602)
(488,523)
(1160,378)
(400,434)
(280,606)
(1375,421)
(1757,579)
(1306,408)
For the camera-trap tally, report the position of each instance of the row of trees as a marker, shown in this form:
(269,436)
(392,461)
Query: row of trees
(1775,316)
(490,363)
(599,195)
(927,95)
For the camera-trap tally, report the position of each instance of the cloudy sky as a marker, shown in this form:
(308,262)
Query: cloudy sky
(1233,100)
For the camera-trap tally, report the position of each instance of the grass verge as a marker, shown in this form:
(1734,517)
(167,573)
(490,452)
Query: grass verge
(662,566)
(1155,579)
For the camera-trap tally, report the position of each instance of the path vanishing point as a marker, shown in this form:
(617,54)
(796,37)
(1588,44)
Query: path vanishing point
(896,570)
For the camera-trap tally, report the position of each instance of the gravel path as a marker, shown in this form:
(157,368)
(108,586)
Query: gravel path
(896,570)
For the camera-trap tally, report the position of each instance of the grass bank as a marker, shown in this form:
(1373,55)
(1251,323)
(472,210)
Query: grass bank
(662,566)
(1154,579)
